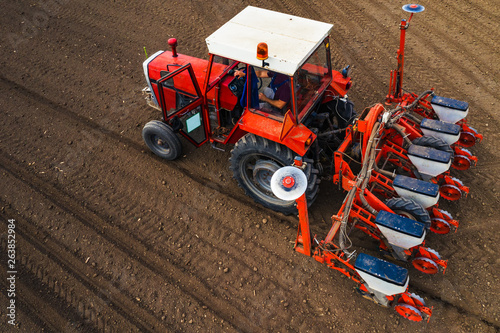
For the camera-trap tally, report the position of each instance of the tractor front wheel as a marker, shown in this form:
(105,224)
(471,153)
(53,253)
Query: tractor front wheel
(254,160)
(161,139)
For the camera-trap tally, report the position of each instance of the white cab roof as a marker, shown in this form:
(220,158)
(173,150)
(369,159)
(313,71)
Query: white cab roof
(290,39)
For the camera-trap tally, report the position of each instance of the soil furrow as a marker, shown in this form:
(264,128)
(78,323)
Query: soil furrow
(179,240)
(140,252)
(423,291)
(98,131)
(140,318)
(30,303)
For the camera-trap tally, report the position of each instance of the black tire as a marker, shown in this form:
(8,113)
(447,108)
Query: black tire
(253,162)
(161,139)
(433,142)
(409,208)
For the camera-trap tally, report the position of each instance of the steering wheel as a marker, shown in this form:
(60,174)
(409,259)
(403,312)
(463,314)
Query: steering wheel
(236,85)
(260,79)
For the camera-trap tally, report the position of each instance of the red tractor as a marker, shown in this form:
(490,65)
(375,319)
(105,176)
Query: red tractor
(216,101)
(269,89)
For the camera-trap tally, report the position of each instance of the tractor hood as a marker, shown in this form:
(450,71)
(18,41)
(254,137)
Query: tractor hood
(163,62)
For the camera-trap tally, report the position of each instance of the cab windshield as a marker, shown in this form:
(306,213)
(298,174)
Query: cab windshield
(311,79)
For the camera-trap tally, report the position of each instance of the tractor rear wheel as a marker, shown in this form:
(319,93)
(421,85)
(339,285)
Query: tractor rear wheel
(161,139)
(254,160)
(410,209)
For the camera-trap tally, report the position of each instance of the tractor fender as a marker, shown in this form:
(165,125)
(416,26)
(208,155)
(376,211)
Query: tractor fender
(297,136)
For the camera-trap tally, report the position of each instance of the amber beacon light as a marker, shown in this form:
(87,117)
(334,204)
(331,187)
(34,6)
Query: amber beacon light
(262,53)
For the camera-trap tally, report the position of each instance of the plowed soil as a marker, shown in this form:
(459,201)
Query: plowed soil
(112,238)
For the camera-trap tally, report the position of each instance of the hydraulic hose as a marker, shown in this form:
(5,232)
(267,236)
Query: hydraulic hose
(369,161)
(382,171)
(422,95)
(361,184)
(399,129)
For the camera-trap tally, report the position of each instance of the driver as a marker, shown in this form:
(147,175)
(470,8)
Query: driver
(277,95)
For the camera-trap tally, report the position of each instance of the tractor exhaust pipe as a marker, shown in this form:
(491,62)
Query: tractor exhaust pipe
(173,44)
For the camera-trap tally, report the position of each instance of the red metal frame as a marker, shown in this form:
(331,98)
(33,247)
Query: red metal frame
(327,252)
(396,81)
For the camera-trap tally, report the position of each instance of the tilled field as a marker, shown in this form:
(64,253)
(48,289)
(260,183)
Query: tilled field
(112,238)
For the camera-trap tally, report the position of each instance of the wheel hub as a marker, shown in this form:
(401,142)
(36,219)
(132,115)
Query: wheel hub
(263,172)
(409,312)
(160,142)
(425,265)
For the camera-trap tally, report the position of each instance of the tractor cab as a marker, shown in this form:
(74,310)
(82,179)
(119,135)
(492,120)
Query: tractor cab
(273,65)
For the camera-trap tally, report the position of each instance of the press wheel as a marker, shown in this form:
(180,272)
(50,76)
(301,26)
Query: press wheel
(409,312)
(440,226)
(450,192)
(461,162)
(467,139)
(425,265)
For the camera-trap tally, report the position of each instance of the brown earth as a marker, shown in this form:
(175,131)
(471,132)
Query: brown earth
(111,238)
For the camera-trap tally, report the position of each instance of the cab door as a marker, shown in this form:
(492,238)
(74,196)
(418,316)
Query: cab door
(181,101)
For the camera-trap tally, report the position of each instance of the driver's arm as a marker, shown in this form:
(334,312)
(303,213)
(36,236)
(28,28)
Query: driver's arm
(239,73)
(278,103)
